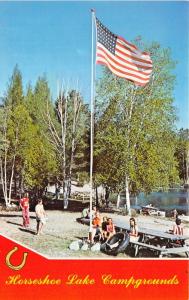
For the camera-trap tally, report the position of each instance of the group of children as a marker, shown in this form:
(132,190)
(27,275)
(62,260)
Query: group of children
(104,227)
(177,227)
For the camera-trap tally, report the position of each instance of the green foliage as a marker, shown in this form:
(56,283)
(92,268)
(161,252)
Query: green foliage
(182,153)
(40,157)
(134,134)
(26,153)
(135,131)
(14,94)
(31,156)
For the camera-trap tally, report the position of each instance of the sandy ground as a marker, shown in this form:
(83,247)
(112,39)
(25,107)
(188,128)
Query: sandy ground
(61,229)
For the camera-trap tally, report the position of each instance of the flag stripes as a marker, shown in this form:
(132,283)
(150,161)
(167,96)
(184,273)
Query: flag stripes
(123,59)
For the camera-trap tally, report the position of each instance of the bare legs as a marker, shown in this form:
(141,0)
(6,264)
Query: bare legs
(39,227)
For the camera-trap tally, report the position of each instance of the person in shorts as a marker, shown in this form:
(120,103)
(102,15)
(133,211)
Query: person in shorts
(40,216)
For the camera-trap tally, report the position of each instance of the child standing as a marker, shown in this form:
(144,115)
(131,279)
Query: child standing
(24,204)
(40,216)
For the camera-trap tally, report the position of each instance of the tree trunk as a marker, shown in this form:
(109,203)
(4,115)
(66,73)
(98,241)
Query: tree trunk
(64,139)
(57,191)
(21,182)
(187,167)
(107,193)
(3,183)
(15,184)
(77,106)
(65,194)
(136,200)
(97,202)
(71,166)
(69,186)
(118,199)
(128,206)
(64,125)
(5,177)
(11,180)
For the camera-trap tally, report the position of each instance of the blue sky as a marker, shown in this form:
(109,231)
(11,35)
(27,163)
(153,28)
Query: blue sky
(54,38)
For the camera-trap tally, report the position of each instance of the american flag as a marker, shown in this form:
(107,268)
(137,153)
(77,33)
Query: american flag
(121,57)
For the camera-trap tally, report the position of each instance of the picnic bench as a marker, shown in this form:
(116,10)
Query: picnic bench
(161,251)
(150,210)
(159,242)
(162,243)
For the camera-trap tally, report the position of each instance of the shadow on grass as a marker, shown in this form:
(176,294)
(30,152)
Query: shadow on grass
(14,223)
(73,205)
(27,230)
(14,216)
(81,238)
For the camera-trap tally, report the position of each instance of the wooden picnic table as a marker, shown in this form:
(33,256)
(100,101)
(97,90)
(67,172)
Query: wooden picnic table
(145,232)
(162,242)
(148,207)
(149,210)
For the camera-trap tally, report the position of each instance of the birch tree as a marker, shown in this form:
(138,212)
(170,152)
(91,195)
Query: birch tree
(67,134)
(135,127)
(15,134)
(182,154)
(9,133)
(5,144)
(41,164)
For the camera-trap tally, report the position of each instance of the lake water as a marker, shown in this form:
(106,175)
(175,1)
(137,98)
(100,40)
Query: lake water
(167,201)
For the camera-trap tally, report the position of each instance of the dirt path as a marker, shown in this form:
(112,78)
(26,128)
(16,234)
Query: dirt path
(61,229)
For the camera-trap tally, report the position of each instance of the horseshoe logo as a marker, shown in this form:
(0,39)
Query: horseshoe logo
(16,268)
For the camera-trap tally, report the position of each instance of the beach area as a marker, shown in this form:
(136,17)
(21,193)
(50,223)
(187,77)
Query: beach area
(62,228)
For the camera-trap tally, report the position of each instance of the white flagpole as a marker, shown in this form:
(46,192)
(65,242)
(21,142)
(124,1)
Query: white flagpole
(92,121)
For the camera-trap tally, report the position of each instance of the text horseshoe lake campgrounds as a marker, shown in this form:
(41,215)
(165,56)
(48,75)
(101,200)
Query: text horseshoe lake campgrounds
(104,279)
